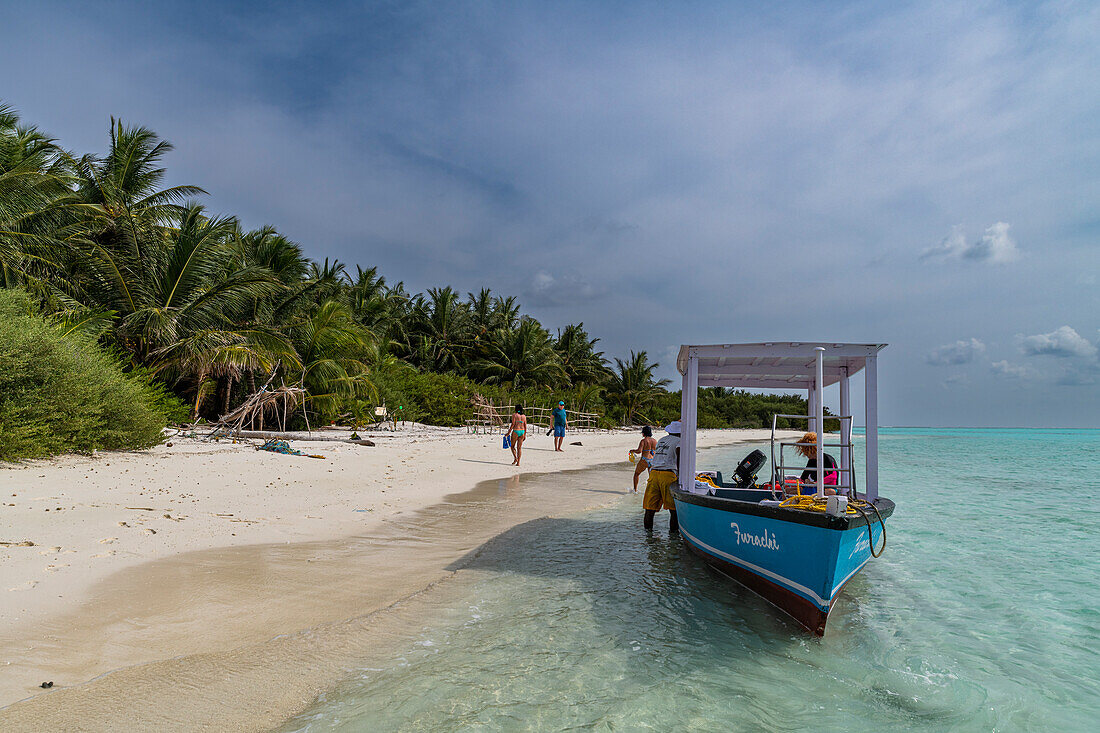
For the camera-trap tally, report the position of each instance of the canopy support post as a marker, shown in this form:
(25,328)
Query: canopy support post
(819,420)
(689,401)
(811,408)
(846,432)
(870,382)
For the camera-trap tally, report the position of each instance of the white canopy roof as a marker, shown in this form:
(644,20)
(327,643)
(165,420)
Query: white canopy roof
(774,365)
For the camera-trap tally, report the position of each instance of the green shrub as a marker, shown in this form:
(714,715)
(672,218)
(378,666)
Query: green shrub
(160,399)
(61,394)
(436,399)
(447,399)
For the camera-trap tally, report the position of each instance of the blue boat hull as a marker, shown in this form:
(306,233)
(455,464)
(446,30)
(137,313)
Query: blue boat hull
(798,560)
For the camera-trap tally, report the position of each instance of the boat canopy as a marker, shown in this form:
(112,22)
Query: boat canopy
(796,365)
(775,365)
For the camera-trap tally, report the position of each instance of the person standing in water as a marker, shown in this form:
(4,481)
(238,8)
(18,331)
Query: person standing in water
(559,426)
(644,451)
(664,468)
(518,429)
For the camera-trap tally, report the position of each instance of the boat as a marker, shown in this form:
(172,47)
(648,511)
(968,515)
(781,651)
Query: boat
(793,543)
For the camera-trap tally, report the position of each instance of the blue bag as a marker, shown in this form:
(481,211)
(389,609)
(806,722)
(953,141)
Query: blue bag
(507,441)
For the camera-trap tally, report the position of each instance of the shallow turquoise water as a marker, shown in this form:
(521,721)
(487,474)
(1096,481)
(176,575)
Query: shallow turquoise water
(983,614)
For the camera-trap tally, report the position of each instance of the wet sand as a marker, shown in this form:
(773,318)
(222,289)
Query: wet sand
(342,585)
(242,637)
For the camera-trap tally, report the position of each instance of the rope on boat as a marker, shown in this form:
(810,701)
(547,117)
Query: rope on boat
(811,503)
(871,537)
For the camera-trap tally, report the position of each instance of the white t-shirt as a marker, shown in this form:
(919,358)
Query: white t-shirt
(664,455)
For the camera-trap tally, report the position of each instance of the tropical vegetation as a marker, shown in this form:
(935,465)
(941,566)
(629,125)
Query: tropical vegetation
(195,304)
(61,392)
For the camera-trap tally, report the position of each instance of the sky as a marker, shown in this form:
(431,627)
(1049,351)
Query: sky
(918,174)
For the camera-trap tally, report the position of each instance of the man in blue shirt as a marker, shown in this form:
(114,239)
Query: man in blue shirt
(559,426)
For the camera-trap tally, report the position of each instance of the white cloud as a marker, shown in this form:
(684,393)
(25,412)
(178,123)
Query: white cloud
(953,245)
(558,290)
(542,281)
(1064,342)
(960,352)
(1014,371)
(995,246)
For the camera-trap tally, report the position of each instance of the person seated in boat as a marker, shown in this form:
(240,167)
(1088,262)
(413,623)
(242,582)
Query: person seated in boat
(644,451)
(807,446)
(664,468)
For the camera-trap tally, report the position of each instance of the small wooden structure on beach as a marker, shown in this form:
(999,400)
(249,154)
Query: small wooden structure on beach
(492,418)
(278,403)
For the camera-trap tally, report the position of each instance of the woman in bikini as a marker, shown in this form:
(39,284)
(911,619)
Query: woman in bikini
(644,451)
(518,429)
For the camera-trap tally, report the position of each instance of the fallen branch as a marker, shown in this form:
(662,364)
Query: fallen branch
(267,435)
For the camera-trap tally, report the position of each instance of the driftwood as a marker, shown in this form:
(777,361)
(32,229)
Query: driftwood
(268,434)
(259,404)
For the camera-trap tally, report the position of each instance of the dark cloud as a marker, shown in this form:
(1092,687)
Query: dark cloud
(502,192)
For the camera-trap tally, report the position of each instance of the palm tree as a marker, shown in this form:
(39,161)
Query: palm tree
(326,281)
(442,331)
(177,287)
(265,247)
(483,314)
(523,356)
(177,310)
(140,244)
(376,306)
(126,208)
(331,347)
(206,356)
(579,358)
(317,284)
(506,312)
(585,396)
(35,202)
(632,385)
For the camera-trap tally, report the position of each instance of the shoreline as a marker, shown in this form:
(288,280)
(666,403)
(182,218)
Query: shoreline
(215,597)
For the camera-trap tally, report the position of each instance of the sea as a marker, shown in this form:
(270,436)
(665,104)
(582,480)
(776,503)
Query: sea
(983,614)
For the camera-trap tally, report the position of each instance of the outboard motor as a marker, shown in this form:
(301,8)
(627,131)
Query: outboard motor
(745,473)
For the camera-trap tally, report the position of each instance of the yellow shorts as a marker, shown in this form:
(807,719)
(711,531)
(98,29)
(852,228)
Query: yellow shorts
(658,491)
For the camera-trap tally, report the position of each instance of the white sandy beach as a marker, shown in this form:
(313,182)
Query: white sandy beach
(75,604)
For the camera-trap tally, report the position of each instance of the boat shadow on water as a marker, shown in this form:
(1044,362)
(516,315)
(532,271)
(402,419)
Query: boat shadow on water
(623,586)
(623,569)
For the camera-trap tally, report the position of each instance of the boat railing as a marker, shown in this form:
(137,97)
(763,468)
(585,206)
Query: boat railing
(846,476)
